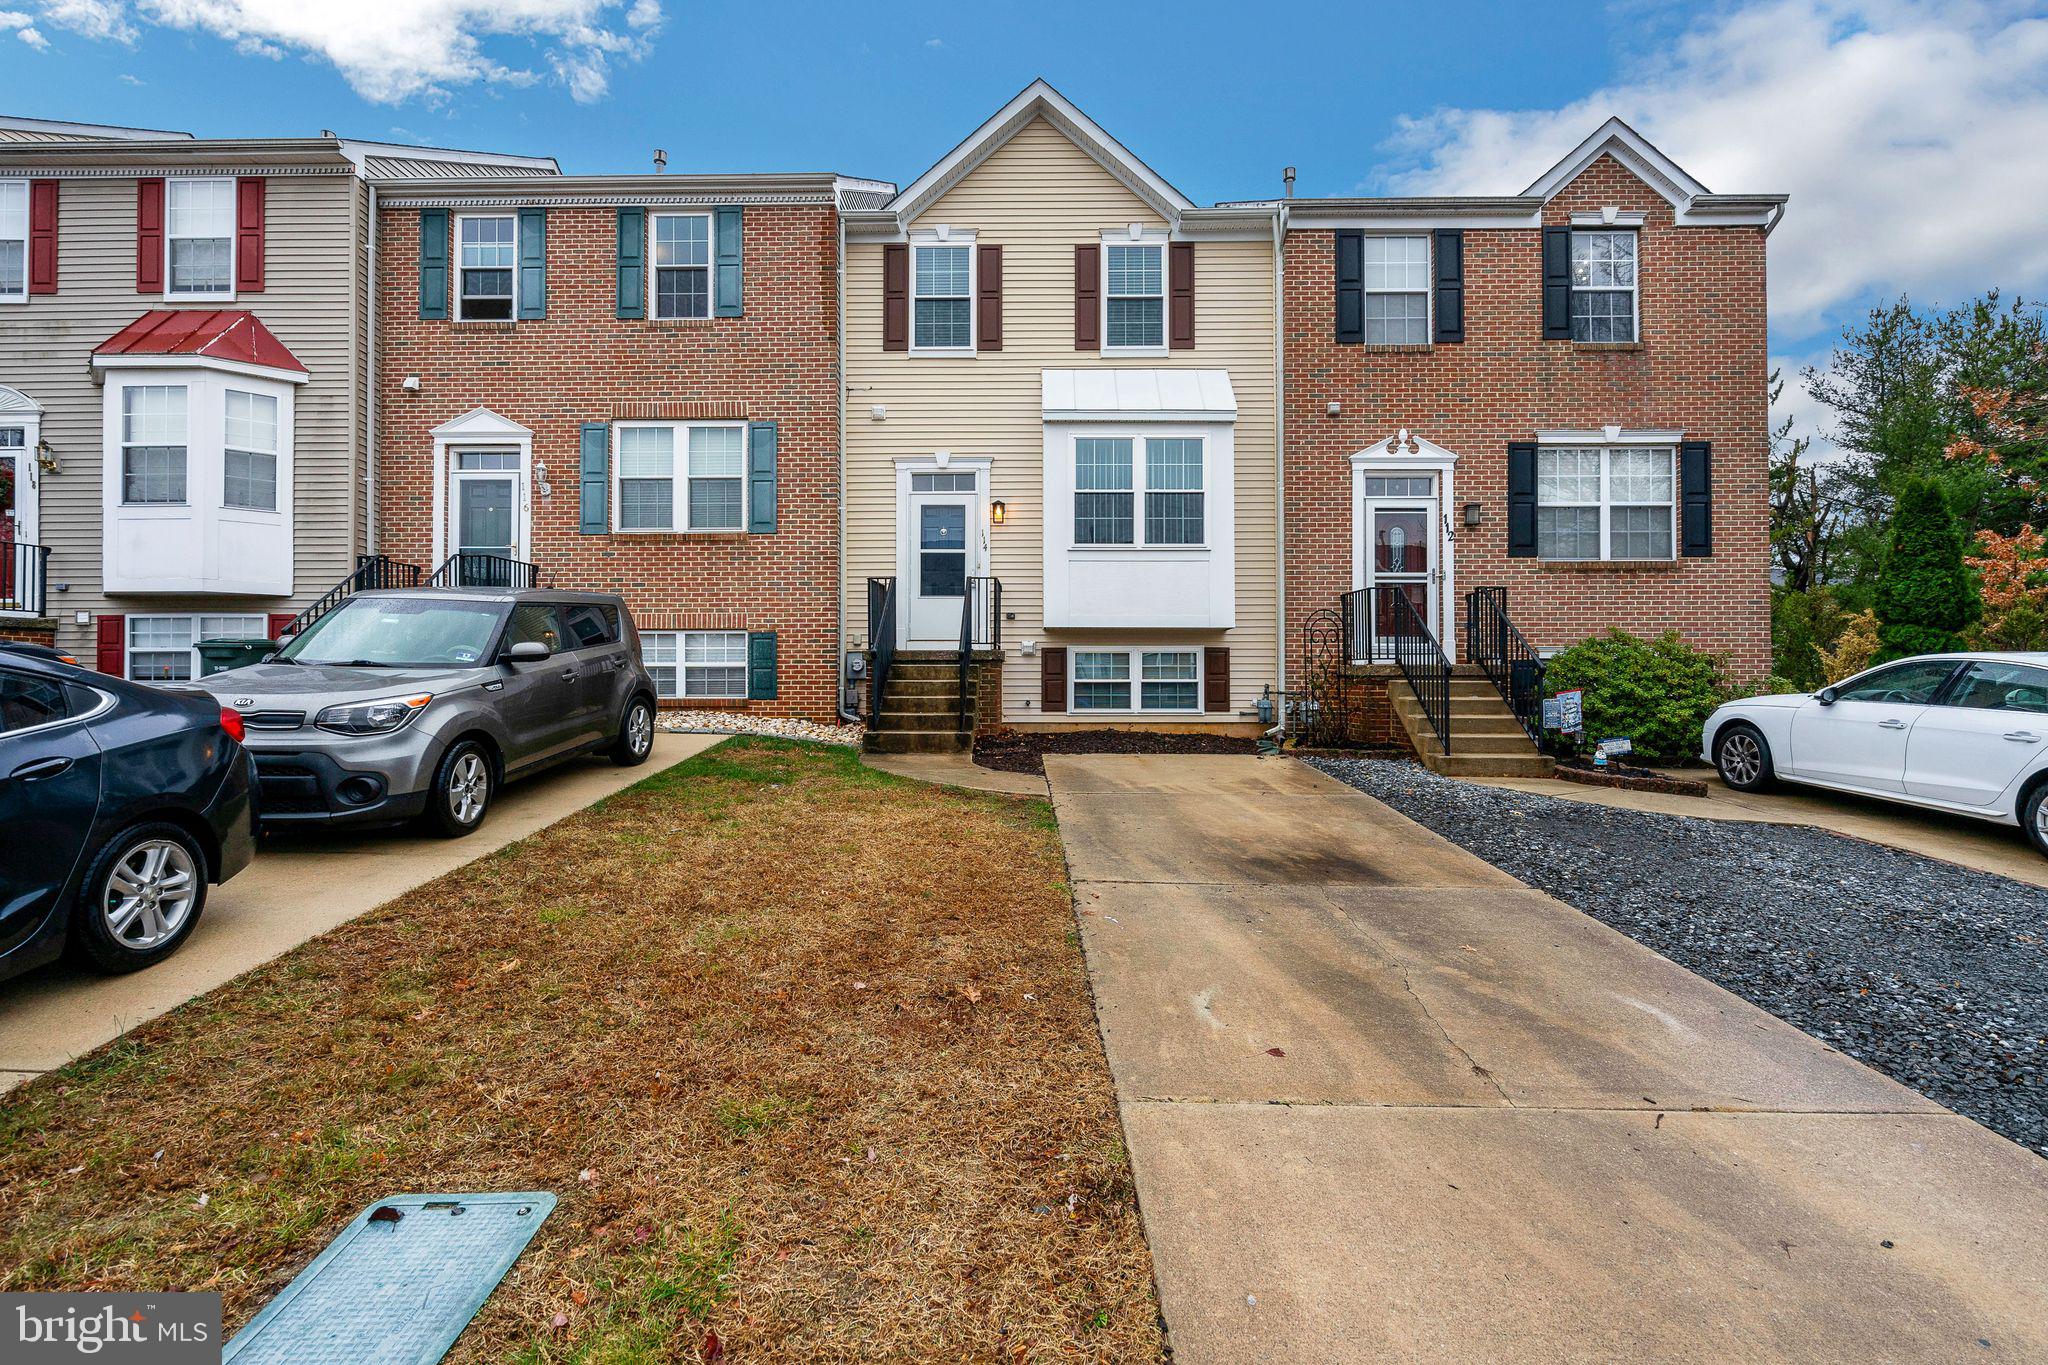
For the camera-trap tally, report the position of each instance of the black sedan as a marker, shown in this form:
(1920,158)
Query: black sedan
(119,805)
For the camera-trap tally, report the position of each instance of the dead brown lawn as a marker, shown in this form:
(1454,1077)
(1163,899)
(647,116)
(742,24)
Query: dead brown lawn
(806,1051)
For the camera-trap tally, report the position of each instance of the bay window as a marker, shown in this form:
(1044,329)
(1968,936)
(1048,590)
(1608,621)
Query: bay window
(1137,680)
(153,450)
(1105,491)
(199,238)
(249,467)
(1605,502)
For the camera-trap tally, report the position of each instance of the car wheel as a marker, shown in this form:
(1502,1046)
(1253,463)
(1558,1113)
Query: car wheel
(1743,758)
(462,790)
(141,897)
(2034,817)
(636,734)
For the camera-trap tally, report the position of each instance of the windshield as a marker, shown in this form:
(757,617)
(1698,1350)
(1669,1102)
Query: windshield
(399,632)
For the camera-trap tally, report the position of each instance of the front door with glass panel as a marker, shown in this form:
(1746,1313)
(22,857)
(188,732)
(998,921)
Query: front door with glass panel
(13,508)
(1399,521)
(486,515)
(945,551)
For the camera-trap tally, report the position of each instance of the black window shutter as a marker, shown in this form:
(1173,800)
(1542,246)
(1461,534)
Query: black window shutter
(1450,286)
(1696,497)
(1521,499)
(1350,288)
(1557,284)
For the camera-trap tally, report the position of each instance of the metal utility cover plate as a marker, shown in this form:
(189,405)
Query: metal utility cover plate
(395,1292)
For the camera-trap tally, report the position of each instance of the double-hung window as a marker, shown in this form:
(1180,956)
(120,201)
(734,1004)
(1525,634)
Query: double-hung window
(161,648)
(696,664)
(1605,502)
(1102,491)
(488,248)
(942,297)
(1396,291)
(1106,488)
(153,449)
(1603,286)
(1173,490)
(682,265)
(712,471)
(1134,296)
(199,238)
(1137,680)
(249,454)
(13,241)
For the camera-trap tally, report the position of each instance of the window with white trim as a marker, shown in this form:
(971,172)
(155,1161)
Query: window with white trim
(1134,296)
(199,238)
(1164,680)
(1396,291)
(249,452)
(1603,286)
(153,449)
(696,664)
(942,297)
(487,277)
(163,648)
(1606,502)
(1106,489)
(713,474)
(682,265)
(13,241)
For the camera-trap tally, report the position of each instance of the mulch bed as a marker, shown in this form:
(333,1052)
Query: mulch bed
(1018,751)
(1627,777)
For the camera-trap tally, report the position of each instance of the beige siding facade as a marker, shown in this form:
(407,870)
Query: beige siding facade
(1038,196)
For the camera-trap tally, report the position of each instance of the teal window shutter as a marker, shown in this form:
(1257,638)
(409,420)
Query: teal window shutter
(533,263)
(761,665)
(761,478)
(632,263)
(597,478)
(726,236)
(433,263)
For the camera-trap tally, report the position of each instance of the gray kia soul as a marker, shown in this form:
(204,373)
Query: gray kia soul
(423,702)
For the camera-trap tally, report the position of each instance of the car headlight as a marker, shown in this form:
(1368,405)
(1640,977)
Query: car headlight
(372,717)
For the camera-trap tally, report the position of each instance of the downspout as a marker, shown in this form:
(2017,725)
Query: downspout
(370,421)
(1280,455)
(839,657)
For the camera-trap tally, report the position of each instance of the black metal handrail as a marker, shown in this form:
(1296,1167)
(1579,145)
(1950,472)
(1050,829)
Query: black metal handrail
(1422,660)
(881,642)
(24,577)
(1356,609)
(981,618)
(1510,662)
(371,571)
(469,569)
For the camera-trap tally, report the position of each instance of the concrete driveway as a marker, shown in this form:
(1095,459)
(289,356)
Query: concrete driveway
(1384,1101)
(301,885)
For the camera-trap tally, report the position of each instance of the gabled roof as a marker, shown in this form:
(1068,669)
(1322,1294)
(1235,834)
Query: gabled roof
(1616,139)
(226,335)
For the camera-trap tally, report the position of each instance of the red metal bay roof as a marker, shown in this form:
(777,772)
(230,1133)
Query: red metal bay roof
(219,334)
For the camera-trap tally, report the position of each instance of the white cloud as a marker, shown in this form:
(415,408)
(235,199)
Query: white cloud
(935,42)
(394,50)
(1909,133)
(127,79)
(34,39)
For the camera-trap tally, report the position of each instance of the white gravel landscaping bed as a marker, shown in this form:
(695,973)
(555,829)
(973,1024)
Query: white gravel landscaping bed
(1934,974)
(737,723)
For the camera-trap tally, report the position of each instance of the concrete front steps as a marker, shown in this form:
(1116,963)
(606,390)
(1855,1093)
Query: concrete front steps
(1486,739)
(921,707)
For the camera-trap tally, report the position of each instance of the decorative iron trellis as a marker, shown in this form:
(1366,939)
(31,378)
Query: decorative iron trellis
(1329,711)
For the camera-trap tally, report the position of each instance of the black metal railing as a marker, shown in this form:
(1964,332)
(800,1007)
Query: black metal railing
(981,627)
(468,569)
(371,571)
(24,577)
(1510,662)
(881,642)
(1415,648)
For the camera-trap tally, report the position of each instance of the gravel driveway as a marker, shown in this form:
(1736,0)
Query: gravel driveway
(1933,974)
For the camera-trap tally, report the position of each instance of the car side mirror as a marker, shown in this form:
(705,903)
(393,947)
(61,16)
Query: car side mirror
(1826,696)
(527,652)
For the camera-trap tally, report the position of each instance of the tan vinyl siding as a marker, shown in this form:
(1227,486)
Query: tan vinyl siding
(311,280)
(1038,197)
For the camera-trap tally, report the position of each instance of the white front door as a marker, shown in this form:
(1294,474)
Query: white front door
(1399,552)
(1860,740)
(487,514)
(945,551)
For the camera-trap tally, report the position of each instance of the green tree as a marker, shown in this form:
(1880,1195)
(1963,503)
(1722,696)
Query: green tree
(1924,596)
(1803,626)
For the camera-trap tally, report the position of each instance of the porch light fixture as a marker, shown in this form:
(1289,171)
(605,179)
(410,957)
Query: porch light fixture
(1473,512)
(997,511)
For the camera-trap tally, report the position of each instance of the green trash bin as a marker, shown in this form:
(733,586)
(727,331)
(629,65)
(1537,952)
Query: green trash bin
(218,656)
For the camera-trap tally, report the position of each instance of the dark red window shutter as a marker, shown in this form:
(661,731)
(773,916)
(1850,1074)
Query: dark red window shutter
(279,620)
(1216,678)
(1180,296)
(896,297)
(988,298)
(249,235)
(42,237)
(1087,298)
(113,644)
(1052,678)
(149,237)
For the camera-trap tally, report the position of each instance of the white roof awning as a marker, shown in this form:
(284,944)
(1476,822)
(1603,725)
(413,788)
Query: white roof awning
(1120,395)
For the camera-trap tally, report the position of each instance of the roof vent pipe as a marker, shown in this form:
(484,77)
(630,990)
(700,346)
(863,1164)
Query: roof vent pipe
(660,162)
(1287,175)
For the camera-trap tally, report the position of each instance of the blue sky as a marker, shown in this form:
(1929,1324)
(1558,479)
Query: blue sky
(1909,132)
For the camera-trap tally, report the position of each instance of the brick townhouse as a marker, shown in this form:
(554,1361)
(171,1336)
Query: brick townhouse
(632,384)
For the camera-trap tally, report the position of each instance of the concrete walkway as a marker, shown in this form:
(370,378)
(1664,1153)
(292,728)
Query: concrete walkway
(1384,1101)
(956,770)
(301,885)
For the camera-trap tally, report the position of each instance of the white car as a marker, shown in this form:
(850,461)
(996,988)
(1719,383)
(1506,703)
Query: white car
(1966,733)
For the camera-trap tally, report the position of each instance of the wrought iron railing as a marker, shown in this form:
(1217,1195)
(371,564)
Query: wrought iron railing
(24,577)
(1422,661)
(1510,662)
(981,627)
(881,642)
(468,569)
(371,571)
